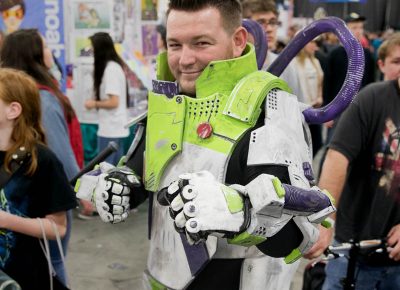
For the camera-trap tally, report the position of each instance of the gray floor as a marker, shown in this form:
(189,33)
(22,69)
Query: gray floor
(106,257)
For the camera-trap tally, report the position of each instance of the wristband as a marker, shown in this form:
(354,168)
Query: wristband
(328,223)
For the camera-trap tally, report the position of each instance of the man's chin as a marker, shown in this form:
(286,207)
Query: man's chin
(188,88)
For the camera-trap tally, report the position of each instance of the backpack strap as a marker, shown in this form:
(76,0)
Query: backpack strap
(18,158)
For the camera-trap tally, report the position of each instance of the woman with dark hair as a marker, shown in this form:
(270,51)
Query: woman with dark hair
(110,90)
(26,50)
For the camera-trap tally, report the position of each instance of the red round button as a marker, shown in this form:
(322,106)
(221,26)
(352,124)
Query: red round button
(204,130)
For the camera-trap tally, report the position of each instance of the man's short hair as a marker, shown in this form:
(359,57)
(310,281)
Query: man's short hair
(7,4)
(388,45)
(258,6)
(230,10)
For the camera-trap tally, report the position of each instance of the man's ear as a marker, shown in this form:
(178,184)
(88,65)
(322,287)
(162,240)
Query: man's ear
(14,110)
(239,41)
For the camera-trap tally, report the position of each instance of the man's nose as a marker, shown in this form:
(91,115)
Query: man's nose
(188,56)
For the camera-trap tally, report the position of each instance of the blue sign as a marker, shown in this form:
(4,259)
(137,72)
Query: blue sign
(45,15)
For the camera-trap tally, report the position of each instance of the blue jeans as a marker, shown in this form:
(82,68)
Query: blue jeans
(114,158)
(367,277)
(56,260)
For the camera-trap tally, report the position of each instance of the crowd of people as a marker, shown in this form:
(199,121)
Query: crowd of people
(228,205)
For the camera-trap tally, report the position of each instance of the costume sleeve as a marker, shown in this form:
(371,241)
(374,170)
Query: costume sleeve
(139,194)
(290,237)
(56,131)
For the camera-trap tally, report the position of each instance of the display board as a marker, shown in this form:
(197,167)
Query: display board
(45,15)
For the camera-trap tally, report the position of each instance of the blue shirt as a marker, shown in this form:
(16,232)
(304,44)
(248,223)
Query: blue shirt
(55,125)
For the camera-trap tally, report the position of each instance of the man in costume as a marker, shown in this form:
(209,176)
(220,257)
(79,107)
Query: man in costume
(226,156)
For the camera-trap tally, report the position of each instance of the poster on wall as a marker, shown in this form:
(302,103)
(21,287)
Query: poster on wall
(81,49)
(88,17)
(149,40)
(149,9)
(83,91)
(119,18)
(91,15)
(132,27)
(45,15)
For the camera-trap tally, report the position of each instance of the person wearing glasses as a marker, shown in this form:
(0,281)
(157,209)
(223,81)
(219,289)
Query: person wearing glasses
(266,14)
(13,12)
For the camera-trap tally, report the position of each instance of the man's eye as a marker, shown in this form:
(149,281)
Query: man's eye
(202,43)
(173,45)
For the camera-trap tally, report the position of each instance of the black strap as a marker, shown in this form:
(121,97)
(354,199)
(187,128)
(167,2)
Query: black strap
(18,158)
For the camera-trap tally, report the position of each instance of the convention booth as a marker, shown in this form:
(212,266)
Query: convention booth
(67,26)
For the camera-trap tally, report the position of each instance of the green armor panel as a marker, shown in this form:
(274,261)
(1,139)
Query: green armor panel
(222,76)
(164,135)
(229,97)
(226,130)
(245,100)
(162,69)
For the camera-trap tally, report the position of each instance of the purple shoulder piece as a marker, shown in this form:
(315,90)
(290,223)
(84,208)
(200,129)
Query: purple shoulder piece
(169,89)
(355,69)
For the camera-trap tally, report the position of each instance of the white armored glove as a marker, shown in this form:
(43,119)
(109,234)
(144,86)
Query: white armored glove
(109,188)
(200,206)
(246,215)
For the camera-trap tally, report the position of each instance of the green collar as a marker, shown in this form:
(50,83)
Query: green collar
(219,76)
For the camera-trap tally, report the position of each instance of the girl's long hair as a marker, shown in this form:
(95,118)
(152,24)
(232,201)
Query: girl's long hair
(104,51)
(17,86)
(23,50)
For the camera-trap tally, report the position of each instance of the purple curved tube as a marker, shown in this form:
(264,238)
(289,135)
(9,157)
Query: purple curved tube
(355,69)
(260,40)
(305,200)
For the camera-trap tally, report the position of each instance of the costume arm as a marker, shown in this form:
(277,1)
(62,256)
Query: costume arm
(114,190)
(135,162)
(290,236)
(333,177)
(246,215)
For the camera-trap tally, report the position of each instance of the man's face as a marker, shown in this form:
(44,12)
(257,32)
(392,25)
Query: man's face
(269,22)
(357,28)
(13,17)
(390,67)
(194,39)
